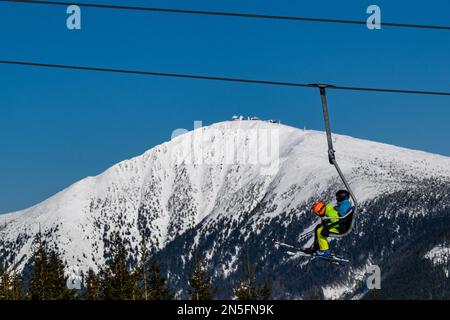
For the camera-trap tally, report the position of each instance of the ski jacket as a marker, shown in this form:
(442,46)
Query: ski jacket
(331,213)
(343,207)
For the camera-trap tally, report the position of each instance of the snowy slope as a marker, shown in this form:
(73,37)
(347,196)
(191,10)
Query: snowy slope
(210,177)
(440,256)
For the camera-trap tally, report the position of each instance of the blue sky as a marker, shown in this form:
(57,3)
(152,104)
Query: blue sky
(59,126)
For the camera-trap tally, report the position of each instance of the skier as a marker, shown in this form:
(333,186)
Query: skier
(321,246)
(343,202)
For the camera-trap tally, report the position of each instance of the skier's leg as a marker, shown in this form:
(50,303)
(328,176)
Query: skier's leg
(315,245)
(322,240)
(333,230)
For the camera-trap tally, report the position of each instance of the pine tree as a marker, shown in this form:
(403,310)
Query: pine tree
(11,284)
(93,286)
(266,290)
(247,290)
(152,284)
(17,287)
(157,289)
(200,282)
(5,286)
(118,283)
(2,272)
(47,281)
(241,291)
(142,271)
(38,287)
(57,280)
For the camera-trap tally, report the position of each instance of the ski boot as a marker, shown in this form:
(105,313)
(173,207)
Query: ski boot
(325,253)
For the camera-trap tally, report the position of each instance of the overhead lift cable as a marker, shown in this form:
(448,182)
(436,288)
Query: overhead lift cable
(228,14)
(225,79)
(346,222)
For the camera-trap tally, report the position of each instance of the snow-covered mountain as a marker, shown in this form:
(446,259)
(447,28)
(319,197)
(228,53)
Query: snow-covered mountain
(228,189)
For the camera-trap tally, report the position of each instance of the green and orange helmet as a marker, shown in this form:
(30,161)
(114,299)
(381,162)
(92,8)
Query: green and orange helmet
(319,208)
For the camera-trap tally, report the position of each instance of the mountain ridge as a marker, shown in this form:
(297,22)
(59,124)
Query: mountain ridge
(168,193)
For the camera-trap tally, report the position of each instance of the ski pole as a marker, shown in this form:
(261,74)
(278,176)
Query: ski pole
(304,236)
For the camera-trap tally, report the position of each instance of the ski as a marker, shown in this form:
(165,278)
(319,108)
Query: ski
(331,258)
(288,246)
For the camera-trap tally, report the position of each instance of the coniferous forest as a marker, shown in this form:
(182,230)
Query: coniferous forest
(44,278)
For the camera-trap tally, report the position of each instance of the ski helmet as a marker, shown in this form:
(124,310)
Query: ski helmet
(342,195)
(319,209)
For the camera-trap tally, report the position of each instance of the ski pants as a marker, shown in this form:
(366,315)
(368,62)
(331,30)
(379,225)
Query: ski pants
(321,237)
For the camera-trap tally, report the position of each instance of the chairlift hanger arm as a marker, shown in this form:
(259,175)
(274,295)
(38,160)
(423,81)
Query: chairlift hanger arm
(331,153)
(323,96)
(339,218)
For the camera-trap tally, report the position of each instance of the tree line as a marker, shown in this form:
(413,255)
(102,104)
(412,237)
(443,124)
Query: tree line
(44,278)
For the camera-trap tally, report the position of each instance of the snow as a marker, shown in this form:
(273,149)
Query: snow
(232,265)
(440,255)
(338,291)
(223,170)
